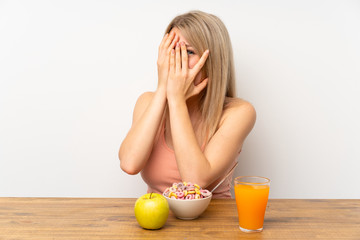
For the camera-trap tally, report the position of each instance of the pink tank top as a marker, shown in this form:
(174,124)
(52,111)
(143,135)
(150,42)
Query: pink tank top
(161,171)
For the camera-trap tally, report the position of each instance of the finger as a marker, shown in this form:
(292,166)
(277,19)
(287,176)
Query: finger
(184,57)
(173,43)
(178,58)
(172,61)
(164,39)
(198,88)
(167,62)
(169,39)
(201,62)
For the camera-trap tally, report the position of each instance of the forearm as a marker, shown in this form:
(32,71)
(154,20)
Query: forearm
(191,161)
(137,146)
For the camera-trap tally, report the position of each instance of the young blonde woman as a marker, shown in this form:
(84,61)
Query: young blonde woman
(192,127)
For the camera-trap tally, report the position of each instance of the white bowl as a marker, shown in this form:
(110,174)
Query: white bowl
(190,208)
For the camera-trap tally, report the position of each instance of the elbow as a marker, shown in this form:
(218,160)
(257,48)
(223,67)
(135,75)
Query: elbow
(126,165)
(200,177)
(129,170)
(203,183)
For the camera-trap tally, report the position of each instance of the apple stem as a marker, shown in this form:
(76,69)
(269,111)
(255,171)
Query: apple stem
(150,195)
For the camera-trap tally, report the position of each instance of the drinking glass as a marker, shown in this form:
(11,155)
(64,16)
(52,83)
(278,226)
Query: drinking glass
(251,195)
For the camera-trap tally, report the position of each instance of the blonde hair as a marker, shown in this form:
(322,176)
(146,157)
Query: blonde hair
(206,31)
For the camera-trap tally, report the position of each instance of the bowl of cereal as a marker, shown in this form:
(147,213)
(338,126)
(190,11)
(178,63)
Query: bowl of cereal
(186,200)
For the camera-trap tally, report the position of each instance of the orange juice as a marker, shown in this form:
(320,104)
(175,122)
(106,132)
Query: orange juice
(251,203)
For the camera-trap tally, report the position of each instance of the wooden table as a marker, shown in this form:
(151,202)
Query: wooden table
(112,218)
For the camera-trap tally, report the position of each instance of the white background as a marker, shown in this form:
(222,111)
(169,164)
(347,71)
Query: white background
(71,71)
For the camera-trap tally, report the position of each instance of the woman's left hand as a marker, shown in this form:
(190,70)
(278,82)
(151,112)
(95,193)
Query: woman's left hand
(180,84)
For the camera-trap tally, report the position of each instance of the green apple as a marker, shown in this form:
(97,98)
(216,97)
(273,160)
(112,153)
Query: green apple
(151,210)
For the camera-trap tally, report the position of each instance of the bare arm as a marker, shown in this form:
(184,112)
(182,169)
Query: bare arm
(194,165)
(148,112)
(205,167)
(137,145)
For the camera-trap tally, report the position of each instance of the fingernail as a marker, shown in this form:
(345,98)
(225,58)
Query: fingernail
(207,51)
(182,44)
(177,44)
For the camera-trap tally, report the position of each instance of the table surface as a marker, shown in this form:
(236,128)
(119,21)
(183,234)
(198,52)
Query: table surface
(113,218)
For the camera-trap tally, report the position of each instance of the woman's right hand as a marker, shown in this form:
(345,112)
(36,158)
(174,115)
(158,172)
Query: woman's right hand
(148,114)
(163,62)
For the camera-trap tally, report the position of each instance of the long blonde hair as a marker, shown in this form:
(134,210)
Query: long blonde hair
(206,31)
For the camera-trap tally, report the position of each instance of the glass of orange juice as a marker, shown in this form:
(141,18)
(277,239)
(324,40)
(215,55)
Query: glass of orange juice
(251,195)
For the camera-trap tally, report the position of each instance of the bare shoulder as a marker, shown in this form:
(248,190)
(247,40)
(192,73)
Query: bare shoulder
(238,106)
(239,111)
(142,103)
(145,97)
